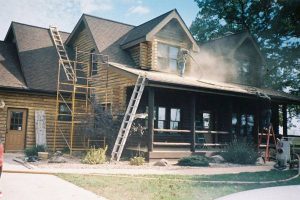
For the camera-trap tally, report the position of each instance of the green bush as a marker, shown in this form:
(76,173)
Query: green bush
(198,160)
(33,151)
(95,156)
(240,152)
(137,160)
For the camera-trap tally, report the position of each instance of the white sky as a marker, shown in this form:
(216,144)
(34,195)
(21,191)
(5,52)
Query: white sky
(65,13)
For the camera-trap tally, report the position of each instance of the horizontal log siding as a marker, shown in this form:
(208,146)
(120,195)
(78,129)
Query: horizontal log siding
(85,43)
(33,103)
(135,54)
(115,85)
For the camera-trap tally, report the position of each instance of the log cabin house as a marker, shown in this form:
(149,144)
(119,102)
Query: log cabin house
(206,103)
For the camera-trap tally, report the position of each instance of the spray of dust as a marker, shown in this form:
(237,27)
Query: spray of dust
(204,65)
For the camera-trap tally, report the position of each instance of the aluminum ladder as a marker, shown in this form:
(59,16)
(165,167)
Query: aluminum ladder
(62,53)
(128,118)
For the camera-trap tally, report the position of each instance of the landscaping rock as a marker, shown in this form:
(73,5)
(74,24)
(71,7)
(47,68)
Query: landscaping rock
(210,153)
(217,159)
(162,163)
(260,161)
(58,153)
(57,159)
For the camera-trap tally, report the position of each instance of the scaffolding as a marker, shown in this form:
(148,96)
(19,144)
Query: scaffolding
(75,97)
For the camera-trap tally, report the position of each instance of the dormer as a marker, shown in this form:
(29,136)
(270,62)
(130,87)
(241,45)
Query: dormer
(238,58)
(157,44)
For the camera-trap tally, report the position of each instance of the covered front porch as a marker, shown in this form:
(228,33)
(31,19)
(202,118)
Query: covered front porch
(183,122)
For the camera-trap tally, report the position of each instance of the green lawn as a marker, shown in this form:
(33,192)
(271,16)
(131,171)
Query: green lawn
(116,187)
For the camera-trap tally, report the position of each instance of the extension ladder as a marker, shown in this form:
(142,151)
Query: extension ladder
(128,118)
(267,134)
(62,53)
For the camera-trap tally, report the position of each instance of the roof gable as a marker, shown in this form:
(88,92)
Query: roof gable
(146,31)
(227,45)
(106,35)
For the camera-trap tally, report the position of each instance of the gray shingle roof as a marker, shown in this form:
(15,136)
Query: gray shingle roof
(143,29)
(108,35)
(38,56)
(10,71)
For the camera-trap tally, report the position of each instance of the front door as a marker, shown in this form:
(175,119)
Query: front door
(16,128)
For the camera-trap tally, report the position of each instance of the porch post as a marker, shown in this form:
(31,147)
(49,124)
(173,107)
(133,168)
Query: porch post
(284,119)
(275,118)
(192,121)
(256,123)
(150,118)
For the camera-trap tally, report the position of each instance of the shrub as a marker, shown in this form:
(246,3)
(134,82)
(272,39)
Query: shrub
(137,160)
(200,161)
(33,151)
(240,152)
(95,156)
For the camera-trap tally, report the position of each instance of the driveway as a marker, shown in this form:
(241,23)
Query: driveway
(291,192)
(41,186)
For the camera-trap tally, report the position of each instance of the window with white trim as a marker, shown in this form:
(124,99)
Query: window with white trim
(174,118)
(167,57)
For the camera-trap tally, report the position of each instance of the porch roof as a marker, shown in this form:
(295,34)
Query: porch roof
(164,79)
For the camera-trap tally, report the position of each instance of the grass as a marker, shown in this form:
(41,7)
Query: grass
(175,187)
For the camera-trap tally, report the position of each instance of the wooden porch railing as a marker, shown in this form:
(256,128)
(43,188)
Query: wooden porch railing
(216,133)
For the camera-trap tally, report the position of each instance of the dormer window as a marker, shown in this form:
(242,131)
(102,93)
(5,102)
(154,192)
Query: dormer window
(167,57)
(244,70)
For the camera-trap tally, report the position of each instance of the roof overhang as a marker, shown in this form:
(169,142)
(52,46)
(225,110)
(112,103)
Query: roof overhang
(180,83)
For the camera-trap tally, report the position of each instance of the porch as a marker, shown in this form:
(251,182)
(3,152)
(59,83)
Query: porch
(182,123)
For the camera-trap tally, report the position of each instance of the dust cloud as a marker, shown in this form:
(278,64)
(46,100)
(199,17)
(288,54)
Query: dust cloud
(204,65)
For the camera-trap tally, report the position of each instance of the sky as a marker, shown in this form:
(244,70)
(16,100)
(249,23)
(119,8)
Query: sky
(65,13)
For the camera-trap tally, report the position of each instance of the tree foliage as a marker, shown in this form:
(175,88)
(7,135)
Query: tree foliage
(275,24)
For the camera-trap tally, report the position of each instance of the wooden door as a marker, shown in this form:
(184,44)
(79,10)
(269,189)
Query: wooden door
(16,129)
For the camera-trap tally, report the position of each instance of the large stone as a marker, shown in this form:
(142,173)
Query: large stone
(162,163)
(57,159)
(217,159)
(58,153)
(260,161)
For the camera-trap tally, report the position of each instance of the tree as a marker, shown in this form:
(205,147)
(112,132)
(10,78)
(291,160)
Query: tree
(275,24)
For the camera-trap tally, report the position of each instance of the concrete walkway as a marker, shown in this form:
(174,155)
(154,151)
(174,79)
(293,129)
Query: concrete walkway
(272,193)
(38,186)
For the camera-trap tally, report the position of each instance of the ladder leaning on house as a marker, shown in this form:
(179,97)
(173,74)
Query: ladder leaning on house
(128,118)
(62,53)
(267,134)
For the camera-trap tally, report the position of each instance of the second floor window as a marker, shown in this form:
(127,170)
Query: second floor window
(93,63)
(244,70)
(167,57)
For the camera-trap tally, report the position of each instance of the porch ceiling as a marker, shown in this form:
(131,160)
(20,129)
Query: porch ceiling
(164,79)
